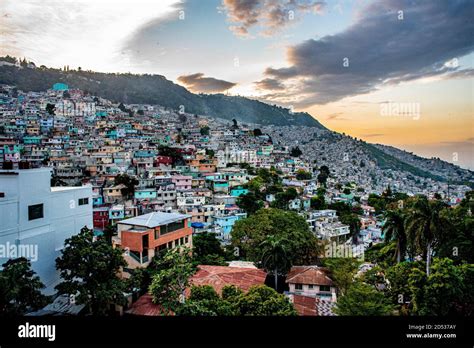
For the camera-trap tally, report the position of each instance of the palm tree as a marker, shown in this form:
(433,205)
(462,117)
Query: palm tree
(394,229)
(274,256)
(423,226)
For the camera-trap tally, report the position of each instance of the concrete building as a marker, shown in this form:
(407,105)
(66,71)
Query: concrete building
(311,281)
(36,219)
(146,235)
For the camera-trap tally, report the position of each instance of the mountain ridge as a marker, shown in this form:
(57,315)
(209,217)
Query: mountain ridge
(154,89)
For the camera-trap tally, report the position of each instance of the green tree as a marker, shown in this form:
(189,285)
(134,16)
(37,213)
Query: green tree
(129,182)
(172,278)
(353,221)
(249,203)
(20,288)
(423,226)
(257,132)
(50,109)
(399,291)
(261,300)
(364,300)
(394,229)
(282,199)
(249,234)
(204,301)
(89,268)
(295,152)
(457,239)
(318,202)
(109,231)
(204,130)
(342,272)
(139,280)
(303,175)
(207,250)
(275,256)
(443,287)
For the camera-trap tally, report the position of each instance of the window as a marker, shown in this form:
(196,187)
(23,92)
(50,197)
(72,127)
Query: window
(324,288)
(156,234)
(181,241)
(172,227)
(310,286)
(170,245)
(186,239)
(35,212)
(299,286)
(83,201)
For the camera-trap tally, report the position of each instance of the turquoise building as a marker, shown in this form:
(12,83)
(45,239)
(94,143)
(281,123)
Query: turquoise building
(238,191)
(60,87)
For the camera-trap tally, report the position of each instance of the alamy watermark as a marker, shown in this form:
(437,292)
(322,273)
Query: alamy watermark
(14,251)
(409,109)
(333,250)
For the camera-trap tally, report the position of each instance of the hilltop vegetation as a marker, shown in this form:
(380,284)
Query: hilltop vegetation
(152,89)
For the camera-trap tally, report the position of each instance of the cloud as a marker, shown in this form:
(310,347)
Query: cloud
(335,117)
(270,15)
(86,33)
(380,49)
(269,84)
(198,83)
(372,135)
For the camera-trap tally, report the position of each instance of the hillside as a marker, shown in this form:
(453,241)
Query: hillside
(154,89)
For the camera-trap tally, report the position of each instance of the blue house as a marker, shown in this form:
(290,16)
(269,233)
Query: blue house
(96,201)
(60,87)
(238,191)
(226,222)
(145,194)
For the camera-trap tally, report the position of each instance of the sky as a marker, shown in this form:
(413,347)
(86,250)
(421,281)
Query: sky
(396,72)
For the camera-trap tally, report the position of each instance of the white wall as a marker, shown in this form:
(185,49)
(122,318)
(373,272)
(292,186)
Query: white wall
(62,218)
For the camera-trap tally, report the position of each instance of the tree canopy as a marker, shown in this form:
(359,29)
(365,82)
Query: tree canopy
(249,235)
(20,288)
(89,269)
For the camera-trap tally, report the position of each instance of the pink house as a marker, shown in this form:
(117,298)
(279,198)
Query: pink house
(182,182)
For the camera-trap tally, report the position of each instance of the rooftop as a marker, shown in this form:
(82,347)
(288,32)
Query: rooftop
(312,306)
(220,276)
(309,275)
(154,219)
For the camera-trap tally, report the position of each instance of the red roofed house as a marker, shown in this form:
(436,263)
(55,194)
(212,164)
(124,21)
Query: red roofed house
(312,306)
(145,306)
(312,281)
(220,276)
(215,276)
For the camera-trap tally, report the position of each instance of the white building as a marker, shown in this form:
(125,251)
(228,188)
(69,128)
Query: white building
(36,219)
(326,224)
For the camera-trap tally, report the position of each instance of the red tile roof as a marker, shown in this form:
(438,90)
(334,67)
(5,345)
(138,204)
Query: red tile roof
(220,276)
(145,306)
(305,305)
(312,306)
(309,275)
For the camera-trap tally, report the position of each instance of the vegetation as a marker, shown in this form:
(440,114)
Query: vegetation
(323,175)
(171,278)
(207,250)
(155,89)
(129,182)
(251,236)
(303,175)
(20,288)
(204,130)
(295,152)
(363,299)
(258,301)
(89,269)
